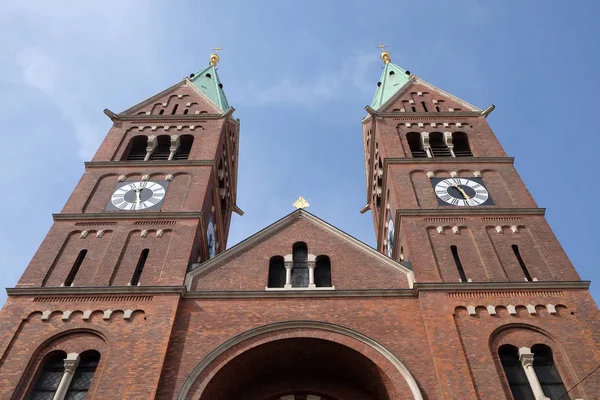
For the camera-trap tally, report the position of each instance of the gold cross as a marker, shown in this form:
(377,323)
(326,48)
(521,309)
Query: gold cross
(217,49)
(381,46)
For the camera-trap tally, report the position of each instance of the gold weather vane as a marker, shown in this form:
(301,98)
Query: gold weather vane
(214,58)
(385,55)
(301,203)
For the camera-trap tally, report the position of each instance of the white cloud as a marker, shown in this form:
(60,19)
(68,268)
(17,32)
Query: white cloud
(351,75)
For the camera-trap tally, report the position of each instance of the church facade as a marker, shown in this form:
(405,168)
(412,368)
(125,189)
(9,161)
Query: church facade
(133,294)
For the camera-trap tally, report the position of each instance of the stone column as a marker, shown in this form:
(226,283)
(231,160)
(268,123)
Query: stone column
(311,274)
(526,358)
(288,274)
(71,363)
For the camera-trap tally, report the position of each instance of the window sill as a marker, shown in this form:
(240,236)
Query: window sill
(299,289)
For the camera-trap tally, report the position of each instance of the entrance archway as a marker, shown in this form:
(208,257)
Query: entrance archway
(295,367)
(300,360)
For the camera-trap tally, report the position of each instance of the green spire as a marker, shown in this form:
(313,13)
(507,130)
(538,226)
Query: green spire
(208,82)
(393,78)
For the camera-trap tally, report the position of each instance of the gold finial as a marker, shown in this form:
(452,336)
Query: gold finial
(385,55)
(300,203)
(214,58)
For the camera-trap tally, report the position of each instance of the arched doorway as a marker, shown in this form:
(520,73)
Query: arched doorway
(296,368)
(300,360)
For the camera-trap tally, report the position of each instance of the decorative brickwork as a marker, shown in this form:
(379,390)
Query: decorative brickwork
(175,316)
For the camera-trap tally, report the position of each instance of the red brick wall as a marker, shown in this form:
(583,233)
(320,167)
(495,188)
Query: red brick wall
(351,267)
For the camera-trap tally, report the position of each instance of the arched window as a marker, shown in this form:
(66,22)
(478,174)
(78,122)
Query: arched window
(300,266)
(543,364)
(459,266)
(276,272)
(461,145)
(515,374)
(75,268)
(136,150)
(415,145)
(323,272)
(137,274)
(438,145)
(49,376)
(515,249)
(82,380)
(162,149)
(185,146)
(424,106)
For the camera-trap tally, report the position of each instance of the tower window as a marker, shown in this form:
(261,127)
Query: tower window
(162,149)
(323,272)
(185,147)
(459,266)
(300,266)
(461,145)
(515,374)
(276,272)
(82,380)
(136,150)
(49,376)
(137,274)
(543,364)
(75,268)
(515,249)
(438,145)
(415,145)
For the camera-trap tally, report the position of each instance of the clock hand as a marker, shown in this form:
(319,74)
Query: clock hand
(461,190)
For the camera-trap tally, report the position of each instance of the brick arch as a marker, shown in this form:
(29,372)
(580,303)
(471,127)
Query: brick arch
(75,340)
(526,335)
(397,378)
(101,193)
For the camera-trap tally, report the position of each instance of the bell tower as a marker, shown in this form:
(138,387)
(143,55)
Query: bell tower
(156,198)
(444,195)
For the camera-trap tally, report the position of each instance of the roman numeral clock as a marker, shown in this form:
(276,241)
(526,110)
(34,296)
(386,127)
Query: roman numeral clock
(461,192)
(136,196)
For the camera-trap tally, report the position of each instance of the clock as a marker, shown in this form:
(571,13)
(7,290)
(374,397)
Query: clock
(210,238)
(134,196)
(390,237)
(461,192)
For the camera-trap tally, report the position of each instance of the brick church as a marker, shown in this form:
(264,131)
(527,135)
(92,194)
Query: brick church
(133,294)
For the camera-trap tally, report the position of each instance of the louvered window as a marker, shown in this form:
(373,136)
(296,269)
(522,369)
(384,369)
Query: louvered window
(162,149)
(137,148)
(415,145)
(438,145)
(461,145)
(185,147)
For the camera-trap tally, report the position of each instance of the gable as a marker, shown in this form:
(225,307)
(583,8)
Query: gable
(175,101)
(245,267)
(418,93)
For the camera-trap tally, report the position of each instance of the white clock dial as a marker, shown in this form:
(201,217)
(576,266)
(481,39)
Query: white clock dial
(461,192)
(390,237)
(138,195)
(210,237)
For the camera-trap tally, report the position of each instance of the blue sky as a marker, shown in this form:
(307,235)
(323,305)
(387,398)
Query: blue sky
(299,75)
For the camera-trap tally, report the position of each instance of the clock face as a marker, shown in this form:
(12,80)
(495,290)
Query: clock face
(142,195)
(390,237)
(461,192)
(210,238)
